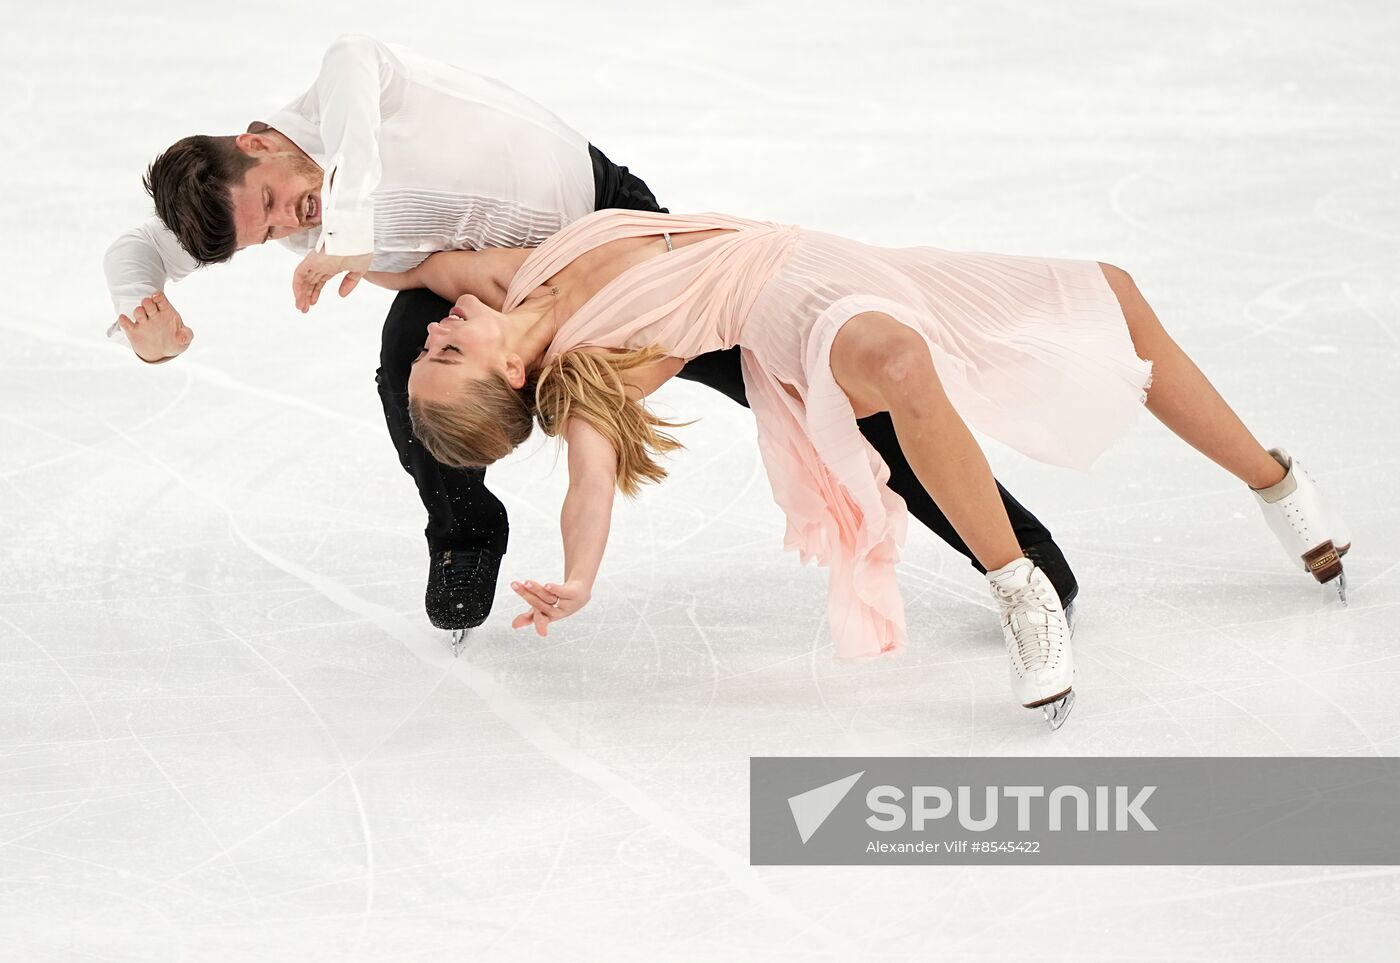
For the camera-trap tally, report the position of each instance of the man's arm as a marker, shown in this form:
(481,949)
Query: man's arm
(139,264)
(583,523)
(356,71)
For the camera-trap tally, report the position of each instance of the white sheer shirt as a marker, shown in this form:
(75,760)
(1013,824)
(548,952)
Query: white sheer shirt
(425,156)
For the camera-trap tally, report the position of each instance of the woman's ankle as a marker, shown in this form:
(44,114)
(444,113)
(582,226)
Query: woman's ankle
(1268,473)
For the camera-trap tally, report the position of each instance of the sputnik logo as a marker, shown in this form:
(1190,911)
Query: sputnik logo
(810,808)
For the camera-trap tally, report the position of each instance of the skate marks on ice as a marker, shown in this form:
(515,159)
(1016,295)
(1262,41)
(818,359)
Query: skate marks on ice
(426,646)
(941,142)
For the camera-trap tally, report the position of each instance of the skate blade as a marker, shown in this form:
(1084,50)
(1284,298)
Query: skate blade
(459,641)
(1325,564)
(1335,589)
(1058,711)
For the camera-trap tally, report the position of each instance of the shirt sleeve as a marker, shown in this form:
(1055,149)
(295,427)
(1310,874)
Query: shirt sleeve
(139,263)
(355,74)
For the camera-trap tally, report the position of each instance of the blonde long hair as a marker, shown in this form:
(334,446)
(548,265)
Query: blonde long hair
(492,418)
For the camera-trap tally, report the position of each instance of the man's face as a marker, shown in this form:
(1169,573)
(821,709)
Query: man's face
(279,196)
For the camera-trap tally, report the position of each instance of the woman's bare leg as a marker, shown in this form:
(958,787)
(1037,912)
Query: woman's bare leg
(884,366)
(1184,400)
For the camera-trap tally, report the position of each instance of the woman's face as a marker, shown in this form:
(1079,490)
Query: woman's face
(467,345)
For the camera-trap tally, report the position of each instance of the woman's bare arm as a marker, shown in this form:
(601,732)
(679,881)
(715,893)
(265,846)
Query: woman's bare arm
(451,274)
(584,522)
(643,381)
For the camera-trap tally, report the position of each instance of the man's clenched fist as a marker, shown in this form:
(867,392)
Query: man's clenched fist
(155,330)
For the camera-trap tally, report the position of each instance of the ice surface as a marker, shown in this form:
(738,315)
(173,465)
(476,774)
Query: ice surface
(228,732)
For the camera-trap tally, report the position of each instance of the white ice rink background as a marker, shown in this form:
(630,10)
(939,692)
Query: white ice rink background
(227,731)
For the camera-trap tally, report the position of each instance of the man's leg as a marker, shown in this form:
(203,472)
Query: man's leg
(615,186)
(467,529)
(722,371)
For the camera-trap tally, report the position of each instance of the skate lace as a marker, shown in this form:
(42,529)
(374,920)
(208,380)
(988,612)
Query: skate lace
(1038,640)
(459,565)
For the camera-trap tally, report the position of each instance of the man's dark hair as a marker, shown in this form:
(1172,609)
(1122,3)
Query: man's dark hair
(190,184)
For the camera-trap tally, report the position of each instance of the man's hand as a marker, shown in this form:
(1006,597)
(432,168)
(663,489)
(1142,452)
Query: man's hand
(316,269)
(549,602)
(155,330)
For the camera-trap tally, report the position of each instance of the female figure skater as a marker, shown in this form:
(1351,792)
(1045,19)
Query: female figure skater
(1052,357)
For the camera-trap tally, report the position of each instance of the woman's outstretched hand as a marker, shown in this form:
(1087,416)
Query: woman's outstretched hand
(549,602)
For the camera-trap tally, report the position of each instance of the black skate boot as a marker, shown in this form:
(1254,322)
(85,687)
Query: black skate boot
(461,588)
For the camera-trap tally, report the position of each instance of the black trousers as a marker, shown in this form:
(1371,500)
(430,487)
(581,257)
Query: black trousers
(463,513)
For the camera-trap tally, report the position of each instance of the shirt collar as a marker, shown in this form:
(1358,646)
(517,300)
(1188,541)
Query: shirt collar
(300,131)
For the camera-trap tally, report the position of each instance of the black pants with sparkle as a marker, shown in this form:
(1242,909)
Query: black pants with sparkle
(463,513)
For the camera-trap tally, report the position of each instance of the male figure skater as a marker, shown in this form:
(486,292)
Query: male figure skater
(386,159)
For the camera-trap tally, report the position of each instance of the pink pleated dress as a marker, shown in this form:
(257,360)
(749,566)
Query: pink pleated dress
(1033,352)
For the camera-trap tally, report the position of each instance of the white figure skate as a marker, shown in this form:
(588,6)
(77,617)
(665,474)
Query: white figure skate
(1309,530)
(459,641)
(1037,639)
